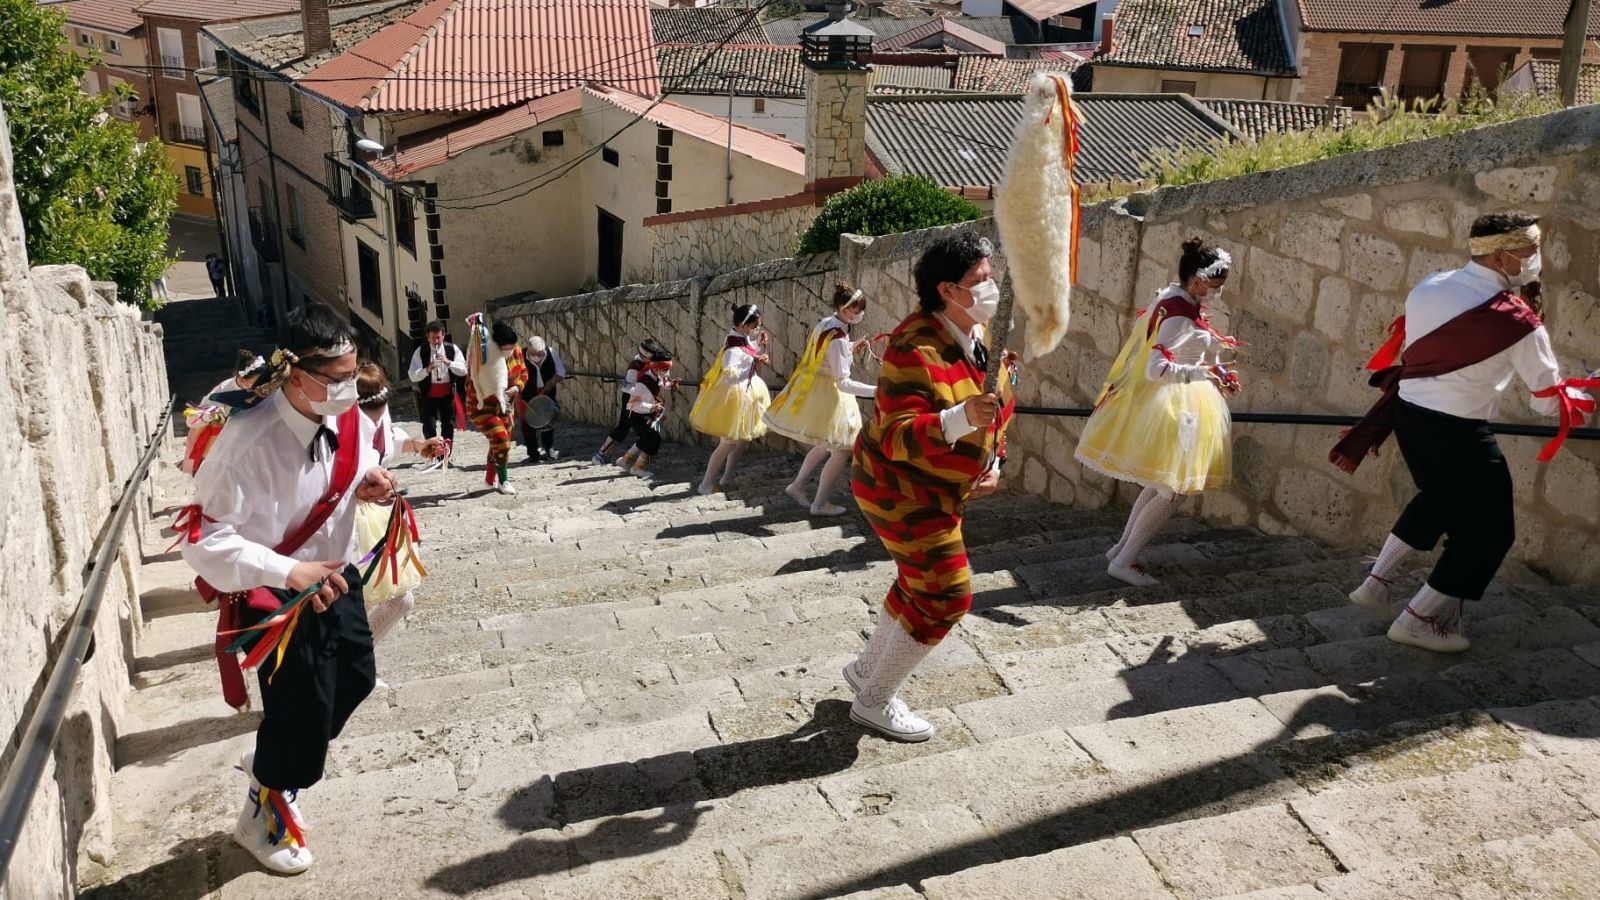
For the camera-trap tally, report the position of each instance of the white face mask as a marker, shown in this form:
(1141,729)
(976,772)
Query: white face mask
(985,301)
(852,316)
(341,396)
(537,359)
(1530,270)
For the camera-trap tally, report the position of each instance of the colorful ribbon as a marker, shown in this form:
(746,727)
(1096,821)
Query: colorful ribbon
(1572,410)
(188,523)
(1389,354)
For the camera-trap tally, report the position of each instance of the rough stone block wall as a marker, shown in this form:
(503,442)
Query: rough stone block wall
(689,247)
(1325,254)
(82,385)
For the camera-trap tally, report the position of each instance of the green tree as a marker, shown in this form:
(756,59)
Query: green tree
(888,206)
(90,192)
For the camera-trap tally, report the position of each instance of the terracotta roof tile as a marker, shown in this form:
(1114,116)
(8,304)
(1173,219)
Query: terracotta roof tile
(471,55)
(1040,10)
(707,25)
(1498,18)
(758,145)
(999,28)
(116,16)
(759,70)
(1005,76)
(1547,73)
(430,148)
(1237,36)
(1257,118)
(217,10)
(276,43)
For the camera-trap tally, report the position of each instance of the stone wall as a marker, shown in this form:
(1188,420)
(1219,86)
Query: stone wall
(1325,254)
(703,242)
(82,383)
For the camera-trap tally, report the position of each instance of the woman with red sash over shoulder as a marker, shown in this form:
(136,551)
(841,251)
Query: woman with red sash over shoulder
(1465,334)
(273,519)
(935,440)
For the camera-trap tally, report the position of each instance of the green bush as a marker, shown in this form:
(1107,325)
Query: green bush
(889,206)
(90,193)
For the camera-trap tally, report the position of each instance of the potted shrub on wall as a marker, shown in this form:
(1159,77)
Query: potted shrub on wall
(888,206)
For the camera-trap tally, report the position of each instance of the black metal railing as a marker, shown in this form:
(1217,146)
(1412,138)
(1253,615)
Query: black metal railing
(44,726)
(186,134)
(173,66)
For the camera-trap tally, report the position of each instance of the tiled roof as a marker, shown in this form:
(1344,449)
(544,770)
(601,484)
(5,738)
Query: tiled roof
(1494,18)
(925,78)
(943,34)
(1257,118)
(430,148)
(219,97)
(761,70)
(962,139)
(1239,36)
(707,25)
(217,10)
(474,55)
(276,43)
(116,16)
(1546,75)
(758,145)
(1004,76)
(1000,28)
(1040,10)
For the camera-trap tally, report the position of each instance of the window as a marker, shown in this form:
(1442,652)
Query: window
(663,155)
(610,236)
(1168,86)
(663,173)
(1422,72)
(170,40)
(1488,66)
(663,189)
(190,127)
(555,138)
(84,40)
(208,53)
(371,288)
(760,104)
(297,112)
(1361,68)
(663,137)
(244,87)
(113,46)
(194,180)
(297,231)
(610,156)
(663,206)
(405,221)
(1197,30)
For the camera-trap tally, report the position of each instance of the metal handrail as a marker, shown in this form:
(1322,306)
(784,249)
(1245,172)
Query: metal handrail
(38,742)
(1263,418)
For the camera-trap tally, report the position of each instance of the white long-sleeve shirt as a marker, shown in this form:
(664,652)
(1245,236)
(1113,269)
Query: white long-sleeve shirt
(1194,349)
(394,438)
(422,368)
(258,483)
(641,400)
(535,376)
(839,359)
(1473,392)
(739,366)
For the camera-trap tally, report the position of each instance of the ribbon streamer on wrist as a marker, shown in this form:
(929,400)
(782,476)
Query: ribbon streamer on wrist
(1572,410)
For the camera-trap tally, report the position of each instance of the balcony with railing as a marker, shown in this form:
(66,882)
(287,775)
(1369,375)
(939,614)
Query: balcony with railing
(347,193)
(264,235)
(1356,95)
(173,66)
(179,133)
(1417,94)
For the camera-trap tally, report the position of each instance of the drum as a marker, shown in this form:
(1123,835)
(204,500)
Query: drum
(542,412)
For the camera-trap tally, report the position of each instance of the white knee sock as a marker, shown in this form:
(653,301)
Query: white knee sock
(388,614)
(1155,514)
(724,447)
(1442,612)
(900,657)
(808,465)
(1139,504)
(735,448)
(1394,550)
(838,460)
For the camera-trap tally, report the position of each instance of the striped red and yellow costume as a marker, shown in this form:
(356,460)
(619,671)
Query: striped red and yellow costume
(913,485)
(495,423)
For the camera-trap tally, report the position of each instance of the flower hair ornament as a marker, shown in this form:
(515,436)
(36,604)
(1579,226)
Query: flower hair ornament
(1218,268)
(381,395)
(277,366)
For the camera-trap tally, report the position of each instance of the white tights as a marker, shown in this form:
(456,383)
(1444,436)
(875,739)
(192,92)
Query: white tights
(727,456)
(1150,512)
(385,616)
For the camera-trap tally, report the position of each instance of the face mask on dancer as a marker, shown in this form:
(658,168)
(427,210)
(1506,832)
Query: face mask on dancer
(1530,270)
(985,301)
(852,315)
(341,396)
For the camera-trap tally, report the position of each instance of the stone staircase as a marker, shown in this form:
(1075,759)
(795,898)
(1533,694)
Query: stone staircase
(205,335)
(621,689)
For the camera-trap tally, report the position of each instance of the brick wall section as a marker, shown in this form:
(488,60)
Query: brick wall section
(1326,254)
(70,449)
(1320,52)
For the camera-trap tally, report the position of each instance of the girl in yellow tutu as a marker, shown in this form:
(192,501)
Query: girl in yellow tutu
(732,396)
(1160,420)
(818,406)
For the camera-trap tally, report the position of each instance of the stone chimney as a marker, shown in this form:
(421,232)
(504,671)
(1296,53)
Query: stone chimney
(314,26)
(835,53)
(1108,23)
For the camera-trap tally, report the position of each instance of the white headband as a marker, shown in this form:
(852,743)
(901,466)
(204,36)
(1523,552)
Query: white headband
(854,297)
(380,396)
(343,348)
(259,364)
(1223,263)
(1518,239)
(753,313)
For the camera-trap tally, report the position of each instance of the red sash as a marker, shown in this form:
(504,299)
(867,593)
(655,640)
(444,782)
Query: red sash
(1468,339)
(345,462)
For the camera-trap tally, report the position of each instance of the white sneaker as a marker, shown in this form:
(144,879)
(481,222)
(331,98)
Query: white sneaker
(251,833)
(827,509)
(641,473)
(1134,575)
(248,763)
(857,681)
(1374,596)
(552,454)
(892,719)
(1438,632)
(1111,555)
(625,462)
(706,489)
(798,495)
(597,459)
(505,487)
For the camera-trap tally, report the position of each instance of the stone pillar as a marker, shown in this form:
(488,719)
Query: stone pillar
(836,125)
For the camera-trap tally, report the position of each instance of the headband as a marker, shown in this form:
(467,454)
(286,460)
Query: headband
(1219,267)
(255,366)
(853,298)
(343,347)
(754,312)
(1517,239)
(381,396)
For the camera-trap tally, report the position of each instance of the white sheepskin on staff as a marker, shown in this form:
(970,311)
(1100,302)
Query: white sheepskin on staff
(1034,211)
(491,377)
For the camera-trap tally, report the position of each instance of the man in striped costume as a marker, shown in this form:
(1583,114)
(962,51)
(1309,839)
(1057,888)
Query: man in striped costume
(935,440)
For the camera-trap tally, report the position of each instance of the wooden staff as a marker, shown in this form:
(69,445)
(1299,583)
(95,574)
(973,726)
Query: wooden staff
(999,332)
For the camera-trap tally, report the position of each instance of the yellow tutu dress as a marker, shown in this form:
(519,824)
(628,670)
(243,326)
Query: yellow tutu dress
(732,396)
(814,407)
(1166,434)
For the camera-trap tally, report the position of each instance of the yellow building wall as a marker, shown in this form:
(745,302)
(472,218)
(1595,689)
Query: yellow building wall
(191,204)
